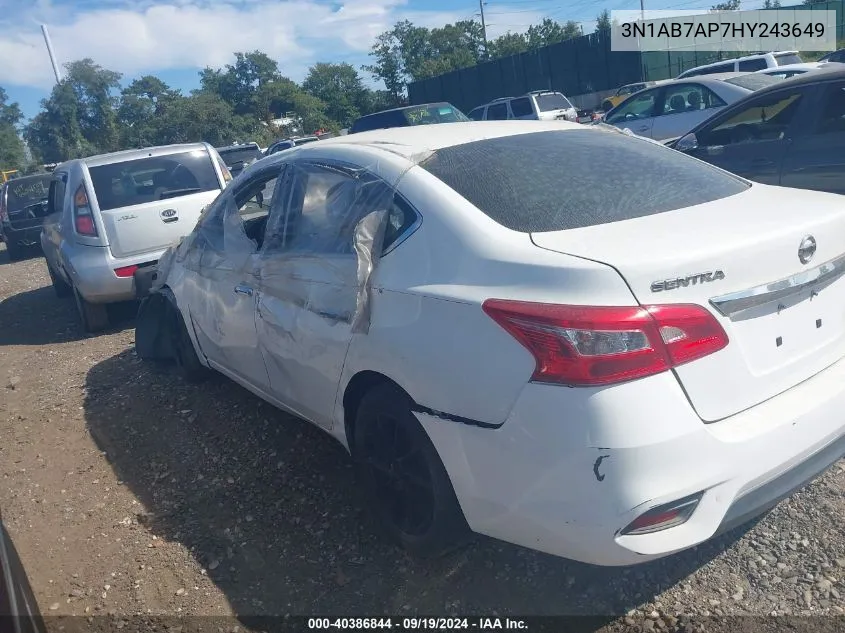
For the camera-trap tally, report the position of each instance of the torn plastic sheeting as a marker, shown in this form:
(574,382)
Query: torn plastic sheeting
(322,240)
(321,253)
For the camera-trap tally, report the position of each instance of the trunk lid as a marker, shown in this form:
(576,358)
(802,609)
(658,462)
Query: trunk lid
(739,258)
(154,225)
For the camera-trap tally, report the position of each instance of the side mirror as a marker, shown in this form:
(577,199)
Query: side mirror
(687,143)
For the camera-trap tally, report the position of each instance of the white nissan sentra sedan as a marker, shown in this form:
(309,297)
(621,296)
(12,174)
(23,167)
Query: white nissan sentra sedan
(608,366)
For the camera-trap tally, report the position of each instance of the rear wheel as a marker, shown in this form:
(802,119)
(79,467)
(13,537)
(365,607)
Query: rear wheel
(60,286)
(15,251)
(93,316)
(406,482)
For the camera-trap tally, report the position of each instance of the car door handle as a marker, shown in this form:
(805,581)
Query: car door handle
(243,289)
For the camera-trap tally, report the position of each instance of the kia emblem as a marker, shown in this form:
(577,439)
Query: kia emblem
(168,213)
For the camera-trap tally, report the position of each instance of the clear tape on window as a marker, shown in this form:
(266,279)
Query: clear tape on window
(322,242)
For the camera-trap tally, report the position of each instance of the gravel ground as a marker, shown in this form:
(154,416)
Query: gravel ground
(128,492)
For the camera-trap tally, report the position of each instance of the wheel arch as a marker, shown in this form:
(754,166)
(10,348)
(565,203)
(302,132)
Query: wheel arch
(356,389)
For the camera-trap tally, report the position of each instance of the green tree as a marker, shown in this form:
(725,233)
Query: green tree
(238,83)
(727,5)
(340,88)
(551,32)
(508,44)
(142,104)
(771,4)
(94,86)
(55,133)
(11,147)
(206,117)
(603,23)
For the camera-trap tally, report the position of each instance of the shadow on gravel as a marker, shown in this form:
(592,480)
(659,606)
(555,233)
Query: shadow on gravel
(38,317)
(267,503)
(28,253)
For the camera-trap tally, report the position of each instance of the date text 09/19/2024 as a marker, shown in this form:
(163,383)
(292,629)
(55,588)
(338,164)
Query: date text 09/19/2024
(416,624)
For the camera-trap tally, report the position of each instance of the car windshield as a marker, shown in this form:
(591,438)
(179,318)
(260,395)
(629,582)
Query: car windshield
(754,81)
(503,178)
(552,101)
(784,59)
(153,178)
(425,115)
(23,192)
(236,155)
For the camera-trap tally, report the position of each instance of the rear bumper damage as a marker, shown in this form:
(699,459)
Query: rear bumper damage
(582,464)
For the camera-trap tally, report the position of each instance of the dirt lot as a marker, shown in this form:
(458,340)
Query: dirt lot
(128,492)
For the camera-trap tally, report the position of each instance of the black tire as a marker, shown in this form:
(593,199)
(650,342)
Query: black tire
(405,480)
(186,357)
(94,317)
(60,286)
(14,251)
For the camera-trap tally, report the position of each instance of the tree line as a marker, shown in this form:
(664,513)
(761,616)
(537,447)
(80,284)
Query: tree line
(89,111)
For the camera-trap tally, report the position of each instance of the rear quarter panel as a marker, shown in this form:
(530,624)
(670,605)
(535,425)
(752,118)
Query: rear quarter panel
(428,331)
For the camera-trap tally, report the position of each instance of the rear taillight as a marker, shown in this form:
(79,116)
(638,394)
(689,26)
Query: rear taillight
(587,346)
(83,216)
(126,271)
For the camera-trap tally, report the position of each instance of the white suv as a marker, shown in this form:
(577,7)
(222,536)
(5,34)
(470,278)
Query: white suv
(539,105)
(748,64)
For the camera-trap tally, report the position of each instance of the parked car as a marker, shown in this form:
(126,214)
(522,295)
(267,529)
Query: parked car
(791,134)
(239,157)
(23,207)
(543,105)
(19,611)
(786,72)
(836,56)
(425,114)
(626,91)
(747,64)
(110,217)
(598,368)
(673,109)
(287,143)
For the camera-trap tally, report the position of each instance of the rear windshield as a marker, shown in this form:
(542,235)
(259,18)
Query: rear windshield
(245,154)
(421,115)
(754,81)
(153,178)
(23,192)
(552,101)
(788,58)
(566,190)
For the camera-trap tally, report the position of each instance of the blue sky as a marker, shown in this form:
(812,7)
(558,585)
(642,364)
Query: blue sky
(173,39)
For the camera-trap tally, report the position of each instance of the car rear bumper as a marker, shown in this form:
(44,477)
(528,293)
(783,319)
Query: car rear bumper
(92,271)
(571,468)
(29,236)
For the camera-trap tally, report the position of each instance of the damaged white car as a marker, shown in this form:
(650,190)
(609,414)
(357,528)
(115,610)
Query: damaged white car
(608,366)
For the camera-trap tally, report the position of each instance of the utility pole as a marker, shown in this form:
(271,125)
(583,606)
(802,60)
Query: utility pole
(51,53)
(483,26)
(642,11)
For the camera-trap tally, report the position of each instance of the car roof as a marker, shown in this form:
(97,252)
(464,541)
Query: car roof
(711,78)
(133,154)
(235,148)
(828,72)
(419,139)
(802,66)
(740,59)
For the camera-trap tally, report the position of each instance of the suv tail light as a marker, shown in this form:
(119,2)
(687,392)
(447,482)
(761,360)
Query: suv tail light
(83,217)
(587,346)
